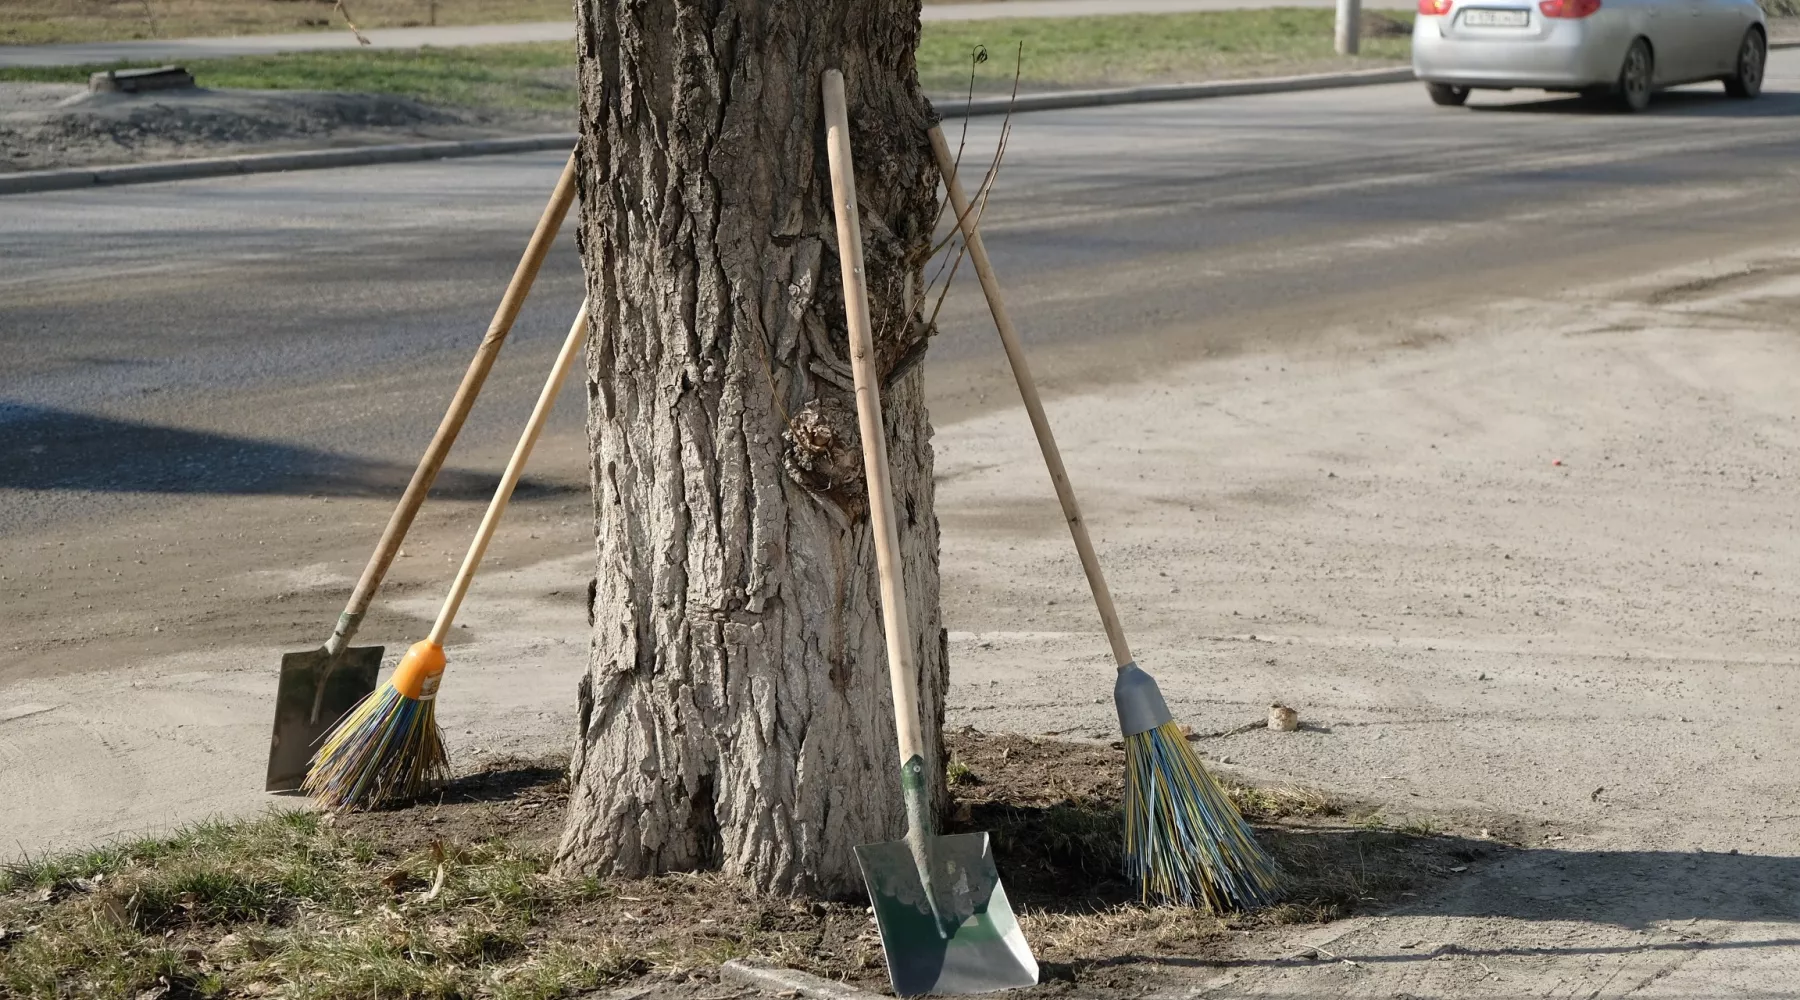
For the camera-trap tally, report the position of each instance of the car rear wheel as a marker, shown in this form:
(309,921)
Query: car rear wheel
(1753,54)
(1636,77)
(1446,95)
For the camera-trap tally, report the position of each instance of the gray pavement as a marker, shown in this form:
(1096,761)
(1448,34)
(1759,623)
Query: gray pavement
(178,49)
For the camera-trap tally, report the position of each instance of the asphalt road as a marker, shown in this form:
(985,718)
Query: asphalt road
(299,333)
(158,327)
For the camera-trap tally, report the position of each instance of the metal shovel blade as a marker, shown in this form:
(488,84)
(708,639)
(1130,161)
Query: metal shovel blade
(298,729)
(977,948)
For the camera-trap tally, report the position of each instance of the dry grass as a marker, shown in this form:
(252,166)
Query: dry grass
(1086,939)
(1272,805)
(443,901)
(37,22)
(245,908)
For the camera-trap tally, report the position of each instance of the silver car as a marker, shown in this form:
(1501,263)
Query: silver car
(1624,48)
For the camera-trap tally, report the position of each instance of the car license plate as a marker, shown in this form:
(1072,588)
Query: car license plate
(1495,18)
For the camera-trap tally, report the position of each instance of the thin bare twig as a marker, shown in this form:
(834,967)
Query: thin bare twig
(986,186)
(979,205)
(1005,137)
(962,248)
(339,8)
(977,56)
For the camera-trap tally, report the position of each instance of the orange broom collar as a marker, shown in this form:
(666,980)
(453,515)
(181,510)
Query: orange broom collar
(419,671)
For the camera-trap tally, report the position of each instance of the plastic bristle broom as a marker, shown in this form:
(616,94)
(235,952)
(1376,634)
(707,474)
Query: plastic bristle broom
(388,748)
(1184,840)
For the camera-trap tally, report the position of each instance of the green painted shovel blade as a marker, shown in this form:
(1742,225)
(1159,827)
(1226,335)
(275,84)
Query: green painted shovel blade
(978,947)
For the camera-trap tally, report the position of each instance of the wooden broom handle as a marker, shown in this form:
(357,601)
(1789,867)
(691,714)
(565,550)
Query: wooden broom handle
(902,672)
(1015,353)
(490,522)
(433,460)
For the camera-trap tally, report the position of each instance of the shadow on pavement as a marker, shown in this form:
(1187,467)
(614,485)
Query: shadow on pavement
(1632,889)
(49,449)
(1707,103)
(1628,890)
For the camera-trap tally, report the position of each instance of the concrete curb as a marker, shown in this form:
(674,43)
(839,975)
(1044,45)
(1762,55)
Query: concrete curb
(1173,92)
(263,163)
(790,982)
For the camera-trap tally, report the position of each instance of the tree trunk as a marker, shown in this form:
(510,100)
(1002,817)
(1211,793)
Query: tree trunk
(735,713)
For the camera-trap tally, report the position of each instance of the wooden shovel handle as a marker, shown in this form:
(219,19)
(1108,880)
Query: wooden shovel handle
(515,466)
(902,672)
(1015,353)
(460,405)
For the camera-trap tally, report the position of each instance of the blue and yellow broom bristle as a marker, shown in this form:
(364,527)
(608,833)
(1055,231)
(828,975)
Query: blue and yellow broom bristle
(1184,840)
(388,748)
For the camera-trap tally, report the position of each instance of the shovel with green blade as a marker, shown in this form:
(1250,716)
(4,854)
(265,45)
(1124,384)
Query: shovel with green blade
(946,924)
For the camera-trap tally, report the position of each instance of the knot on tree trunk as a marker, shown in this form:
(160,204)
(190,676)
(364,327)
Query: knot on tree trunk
(823,454)
(893,263)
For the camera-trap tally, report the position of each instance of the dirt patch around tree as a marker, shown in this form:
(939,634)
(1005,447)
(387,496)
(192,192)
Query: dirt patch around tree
(453,896)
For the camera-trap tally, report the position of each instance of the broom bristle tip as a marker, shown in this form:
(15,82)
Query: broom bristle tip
(1184,840)
(388,748)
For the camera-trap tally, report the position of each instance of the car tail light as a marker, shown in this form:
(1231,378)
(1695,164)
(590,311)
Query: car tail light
(1563,8)
(1436,8)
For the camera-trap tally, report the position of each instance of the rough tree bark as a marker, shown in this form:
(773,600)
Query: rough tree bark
(735,713)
